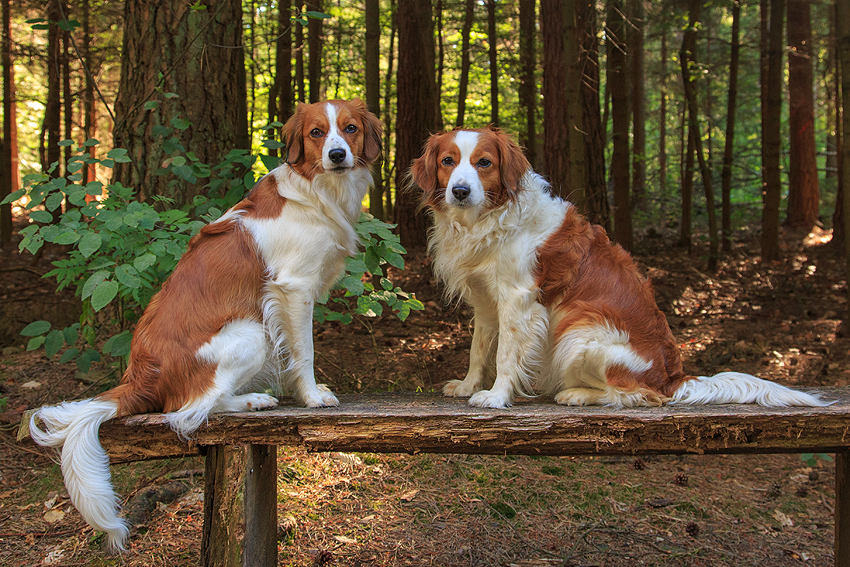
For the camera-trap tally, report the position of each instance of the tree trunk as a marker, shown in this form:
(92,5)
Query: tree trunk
(9,138)
(417,116)
(494,67)
(314,38)
(53,108)
(388,115)
(299,54)
(619,85)
(67,97)
(373,96)
(280,99)
(464,61)
(556,160)
(803,186)
(575,107)
(638,100)
(89,112)
(662,134)
(441,54)
(687,58)
(771,137)
(842,33)
(528,85)
(209,81)
(687,161)
(731,108)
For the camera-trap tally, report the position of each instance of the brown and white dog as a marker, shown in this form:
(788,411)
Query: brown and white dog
(237,310)
(558,307)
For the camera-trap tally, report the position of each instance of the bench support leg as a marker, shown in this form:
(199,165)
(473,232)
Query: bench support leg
(240,506)
(842,508)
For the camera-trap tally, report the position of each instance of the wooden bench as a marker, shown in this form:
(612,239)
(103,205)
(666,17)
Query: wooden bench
(240,501)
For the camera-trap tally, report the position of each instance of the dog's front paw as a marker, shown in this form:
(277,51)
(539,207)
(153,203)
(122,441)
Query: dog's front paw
(490,399)
(257,402)
(321,397)
(459,389)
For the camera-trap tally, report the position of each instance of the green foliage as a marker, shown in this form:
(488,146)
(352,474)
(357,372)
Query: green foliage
(811,459)
(121,250)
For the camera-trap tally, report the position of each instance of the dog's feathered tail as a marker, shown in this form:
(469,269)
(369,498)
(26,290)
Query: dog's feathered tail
(740,388)
(74,426)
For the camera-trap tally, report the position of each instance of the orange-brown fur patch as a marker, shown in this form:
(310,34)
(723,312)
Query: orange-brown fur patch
(594,282)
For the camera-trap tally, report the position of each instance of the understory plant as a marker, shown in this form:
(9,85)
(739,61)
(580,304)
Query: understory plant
(121,250)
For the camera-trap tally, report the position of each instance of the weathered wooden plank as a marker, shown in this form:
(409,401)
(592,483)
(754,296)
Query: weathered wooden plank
(413,423)
(842,508)
(260,544)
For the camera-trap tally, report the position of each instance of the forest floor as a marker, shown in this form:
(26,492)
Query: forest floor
(779,321)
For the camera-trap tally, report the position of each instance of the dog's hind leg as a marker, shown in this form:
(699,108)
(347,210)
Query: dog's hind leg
(238,353)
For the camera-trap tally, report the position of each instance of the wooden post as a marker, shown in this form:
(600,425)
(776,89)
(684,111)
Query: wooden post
(260,545)
(240,506)
(842,508)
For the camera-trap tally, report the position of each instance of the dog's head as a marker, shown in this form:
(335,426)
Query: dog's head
(469,170)
(336,136)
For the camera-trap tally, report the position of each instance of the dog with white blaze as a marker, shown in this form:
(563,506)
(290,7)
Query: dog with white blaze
(558,308)
(237,312)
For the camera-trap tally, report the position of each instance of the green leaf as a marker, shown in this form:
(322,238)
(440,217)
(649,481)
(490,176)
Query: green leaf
(70,335)
(69,355)
(13,197)
(54,201)
(103,294)
(144,261)
(66,237)
(118,345)
(119,155)
(93,281)
(86,358)
(317,15)
(128,276)
(352,284)
(53,342)
(151,104)
(36,328)
(41,216)
(35,343)
(180,123)
(89,244)
(65,143)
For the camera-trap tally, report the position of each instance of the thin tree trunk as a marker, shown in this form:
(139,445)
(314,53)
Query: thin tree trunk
(53,108)
(281,104)
(731,108)
(804,186)
(596,190)
(638,100)
(67,97)
(771,137)
(528,86)
(416,120)
(575,108)
(662,133)
(464,62)
(494,67)
(842,33)
(441,56)
(388,116)
(373,96)
(89,112)
(556,135)
(619,84)
(9,141)
(299,54)
(687,163)
(687,57)
(314,38)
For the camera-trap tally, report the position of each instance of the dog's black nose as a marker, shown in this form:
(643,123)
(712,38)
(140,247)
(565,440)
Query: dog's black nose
(460,192)
(337,156)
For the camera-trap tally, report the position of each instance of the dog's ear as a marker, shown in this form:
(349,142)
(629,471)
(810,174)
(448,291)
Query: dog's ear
(373,130)
(512,162)
(293,135)
(424,170)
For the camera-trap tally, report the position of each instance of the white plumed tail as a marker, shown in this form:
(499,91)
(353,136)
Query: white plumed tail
(740,388)
(85,465)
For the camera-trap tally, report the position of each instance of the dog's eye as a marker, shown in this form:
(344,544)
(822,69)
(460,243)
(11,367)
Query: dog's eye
(350,129)
(484,162)
(316,133)
(448,161)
